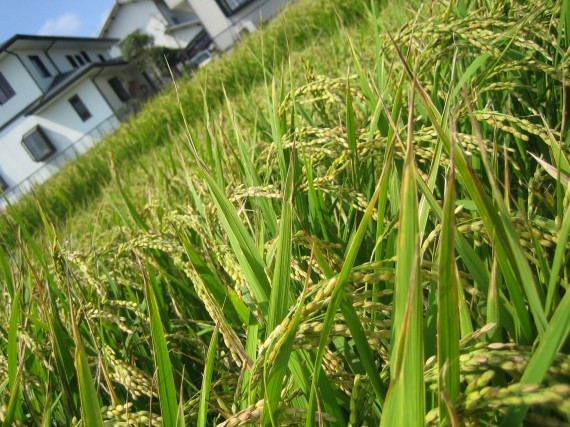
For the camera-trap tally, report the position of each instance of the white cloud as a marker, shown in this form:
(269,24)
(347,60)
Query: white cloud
(65,25)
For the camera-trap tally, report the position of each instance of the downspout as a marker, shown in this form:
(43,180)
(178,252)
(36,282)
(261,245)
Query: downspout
(49,57)
(26,68)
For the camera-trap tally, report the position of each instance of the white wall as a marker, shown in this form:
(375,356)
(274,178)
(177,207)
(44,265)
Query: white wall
(185,34)
(26,89)
(215,22)
(43,82)
(141,16)
(131,80)
(58,55)
(61,111)
(63,127)
(260,11)
(224,30)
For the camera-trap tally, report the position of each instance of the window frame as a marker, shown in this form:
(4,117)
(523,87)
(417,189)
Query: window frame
(230,10)
(40,66)
(80,108)
(72,61)
(85,56)
(6,90)
(119,89)
(48,150)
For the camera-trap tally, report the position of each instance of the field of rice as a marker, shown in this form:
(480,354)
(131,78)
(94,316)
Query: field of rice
(357,218)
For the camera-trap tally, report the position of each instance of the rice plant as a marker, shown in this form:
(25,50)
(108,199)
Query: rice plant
(378,236)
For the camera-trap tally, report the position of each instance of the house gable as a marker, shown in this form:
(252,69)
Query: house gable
(174,29)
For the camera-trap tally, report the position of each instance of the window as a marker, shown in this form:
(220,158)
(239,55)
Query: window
(38,63)
(119,89)
(229,7)
(71,61)
(85,56)
(79,107)
(3,184)
(79,59)
(38,145)
(101,58)
(6,91)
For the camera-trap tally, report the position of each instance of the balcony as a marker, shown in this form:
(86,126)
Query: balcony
(179,5)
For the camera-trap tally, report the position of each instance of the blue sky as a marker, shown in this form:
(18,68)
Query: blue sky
(52,17)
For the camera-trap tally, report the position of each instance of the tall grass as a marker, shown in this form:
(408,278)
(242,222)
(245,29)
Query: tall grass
(383,246)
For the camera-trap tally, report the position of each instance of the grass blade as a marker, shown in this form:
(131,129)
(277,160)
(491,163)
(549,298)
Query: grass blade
(242,244)
(550,343)
(511,257)
(207,379)
(336,299)
(166,387)
(13,362)
(280,284)
(448,306)
(90,410)
(557,262)
(405,404)
(14,398)
(274,374)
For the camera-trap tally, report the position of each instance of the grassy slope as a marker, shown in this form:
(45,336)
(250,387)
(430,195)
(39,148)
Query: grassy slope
(239,71)
(162,257)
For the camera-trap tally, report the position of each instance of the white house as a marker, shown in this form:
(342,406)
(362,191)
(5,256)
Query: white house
(176,29)
(58,96)
(226,21)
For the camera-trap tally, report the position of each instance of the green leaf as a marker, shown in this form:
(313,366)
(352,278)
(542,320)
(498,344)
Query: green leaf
(550,343)
(242,244)
(280,284)
(13,403)
(337,294)
(448,307)
(405,404)
(166,387)
(495,216)
(558,261)
(91,412)
(13,363)
(207,379)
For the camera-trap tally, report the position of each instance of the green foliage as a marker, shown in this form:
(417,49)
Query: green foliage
(282,242)
(139,49)
(135,48)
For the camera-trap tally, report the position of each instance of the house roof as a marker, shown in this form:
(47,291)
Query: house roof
(160,7)
(32,41)
(113,13)
(61,83)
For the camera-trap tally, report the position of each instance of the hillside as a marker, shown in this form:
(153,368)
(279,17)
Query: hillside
(358,217)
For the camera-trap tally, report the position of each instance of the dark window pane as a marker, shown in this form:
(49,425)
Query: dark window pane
(101,58)
(79,107)
(119,89)
(85,56)
(231,6)
(71,61)
(38,63)
(3,184)
(6,91)
(80,59)
(38,144)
